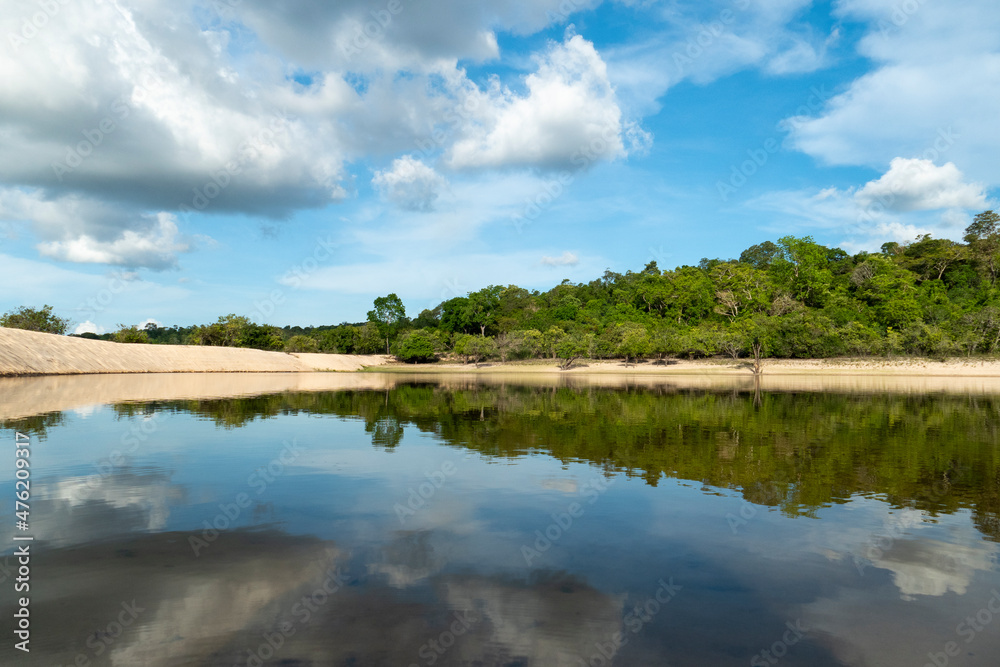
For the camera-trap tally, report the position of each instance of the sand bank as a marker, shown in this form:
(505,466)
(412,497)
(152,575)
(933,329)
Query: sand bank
(78,373)
(723,367)
(22,397)
(33,353)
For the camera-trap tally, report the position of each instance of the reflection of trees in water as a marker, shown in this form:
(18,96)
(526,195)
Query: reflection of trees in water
(796,451)
(36,426)
(763,493)
(386,432)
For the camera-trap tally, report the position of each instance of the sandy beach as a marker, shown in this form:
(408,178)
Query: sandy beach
(48,373)
(32,353)
(722,367)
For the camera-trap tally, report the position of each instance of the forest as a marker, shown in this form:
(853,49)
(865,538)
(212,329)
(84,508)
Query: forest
(794,298)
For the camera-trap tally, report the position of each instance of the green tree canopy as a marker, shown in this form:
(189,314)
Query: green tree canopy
(388,315)
(35,319)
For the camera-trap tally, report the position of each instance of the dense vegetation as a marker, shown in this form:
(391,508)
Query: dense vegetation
(34,319)
(795,298)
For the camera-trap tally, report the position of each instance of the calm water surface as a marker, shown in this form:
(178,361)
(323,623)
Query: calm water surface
(514,525)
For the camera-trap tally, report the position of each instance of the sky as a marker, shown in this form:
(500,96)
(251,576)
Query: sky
(175,161)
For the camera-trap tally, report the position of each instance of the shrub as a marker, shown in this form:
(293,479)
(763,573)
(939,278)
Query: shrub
(301,344)
(31,319)
(416,347)
(130,334)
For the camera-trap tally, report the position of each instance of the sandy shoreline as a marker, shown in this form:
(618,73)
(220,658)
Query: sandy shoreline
(720,367)
(33,353)
(23,397)
(28,353)
(47,373)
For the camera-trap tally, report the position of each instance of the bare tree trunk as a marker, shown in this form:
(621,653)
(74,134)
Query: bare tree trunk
(756,348)
(569,363)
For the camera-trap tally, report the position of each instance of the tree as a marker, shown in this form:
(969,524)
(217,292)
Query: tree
(415,347)
(264,337)
(741,289)
(301,344)
(761,255)
(226,332)
(664,341)
(428,318)
(888,289)
(551,340)
(803,268)
(475,348)
(574,346)
(31,319)
(689,294)
(369,339)
(983,237)
(455,315)
(482,307)
(130,334)
(340,340)
(387,316)
(519,344)
(932,257)
(633,341)
(733,343)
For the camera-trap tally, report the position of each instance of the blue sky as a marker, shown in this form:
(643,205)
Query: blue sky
(182,160)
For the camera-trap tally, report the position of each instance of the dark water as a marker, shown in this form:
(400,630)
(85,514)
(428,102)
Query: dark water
(513,525)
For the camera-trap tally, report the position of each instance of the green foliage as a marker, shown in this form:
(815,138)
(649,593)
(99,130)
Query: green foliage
(301,344)
(798,298)
(416,346)
(475,348)
(632,341)
(369,340)
(34,319)
(574,346)
(519,344)
(237,331)
(983,237)
(761,255)
(551,340)
(387,315)
(130,334)
(483,306)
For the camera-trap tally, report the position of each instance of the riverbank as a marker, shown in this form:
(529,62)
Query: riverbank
(33,353)
(957,367)
(26,353)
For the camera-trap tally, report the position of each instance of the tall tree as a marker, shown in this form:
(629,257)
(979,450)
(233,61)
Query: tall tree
(483,306)
(388,315)
(930,258)
(761,255)
(983,237)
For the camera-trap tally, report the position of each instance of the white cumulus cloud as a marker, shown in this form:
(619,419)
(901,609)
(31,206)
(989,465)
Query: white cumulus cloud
(918,185)
(88,327)
(154,247)
(569,117)
(410,184)
(566,259)
(934,91)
